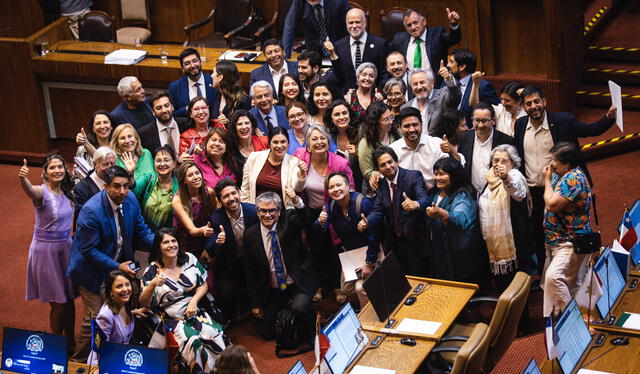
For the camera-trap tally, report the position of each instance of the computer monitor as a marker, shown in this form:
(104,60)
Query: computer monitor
(612,281)
(346,339)
(532,368)
(386,287)
(25,351)
(298,368)
(572,336)
(125,359)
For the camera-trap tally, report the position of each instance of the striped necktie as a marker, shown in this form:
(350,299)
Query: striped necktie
(358,54)
(322,26)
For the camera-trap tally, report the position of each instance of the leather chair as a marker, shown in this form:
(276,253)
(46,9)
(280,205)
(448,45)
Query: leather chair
(96,26)
(391,21)
(469,358)
(136,14)
(274,27)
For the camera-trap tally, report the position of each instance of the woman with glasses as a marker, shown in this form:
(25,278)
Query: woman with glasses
(298,115)
(395,91)
(198,112)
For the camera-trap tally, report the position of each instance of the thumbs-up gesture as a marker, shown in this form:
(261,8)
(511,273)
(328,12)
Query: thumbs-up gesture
(500,171)
(302,173)
(378,95)
(207,231)
(330,48)
(24,170)
(444,71)
(476,76)
(453,17)
(362,225)
(435,212)
(222,237)
(81,138)
(322,218)
(408,204)
(431,211)
(445,147)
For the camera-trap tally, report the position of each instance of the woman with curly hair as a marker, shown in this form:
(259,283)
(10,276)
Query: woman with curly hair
(216,161)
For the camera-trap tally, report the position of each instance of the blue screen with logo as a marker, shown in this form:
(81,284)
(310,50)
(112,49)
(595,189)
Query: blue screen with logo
(132,359)
(25,351)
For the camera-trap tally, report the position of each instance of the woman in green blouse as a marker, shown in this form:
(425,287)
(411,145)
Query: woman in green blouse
(125,141)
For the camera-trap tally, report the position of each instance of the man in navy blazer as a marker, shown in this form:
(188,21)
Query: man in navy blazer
(398,212)
(193,83)
(267,115)
(357,47)
(306,13)
(434,41)
(275,67)
(107,226)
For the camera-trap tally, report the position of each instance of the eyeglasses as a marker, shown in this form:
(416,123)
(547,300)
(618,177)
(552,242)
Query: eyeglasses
(297,115)
(268,211)
(200,108)
(482,120)
(388,119)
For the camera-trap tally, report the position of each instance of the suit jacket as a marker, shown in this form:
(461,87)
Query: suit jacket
(264,74)
(564,127)
(440,100)
(82,192)
(296,257)
(179,92)
(373,50)
(150,137)
(280,116)
(468,139)
(122,114)
(438,42)
(302,14)
(95,242)
(486,93)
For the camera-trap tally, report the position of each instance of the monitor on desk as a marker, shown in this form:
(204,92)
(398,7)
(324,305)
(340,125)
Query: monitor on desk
(386,287)
(346,339)
(132,359)
(297,368)
(573,337)
(532,368)
(25,351)
(612,281)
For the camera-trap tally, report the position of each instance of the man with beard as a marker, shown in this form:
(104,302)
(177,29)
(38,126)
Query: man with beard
(166,129)
(432,103)
(396,67)
(309,64)
(535,134)
(134,108)
(193,83)
(276,65)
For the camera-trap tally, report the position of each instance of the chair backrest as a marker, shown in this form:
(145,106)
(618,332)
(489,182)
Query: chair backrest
(96,26)
(506,316)
(134,10)
(391,21)
(472,353)
(231,15)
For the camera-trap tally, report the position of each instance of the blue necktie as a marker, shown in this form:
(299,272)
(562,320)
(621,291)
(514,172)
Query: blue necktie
(278,262)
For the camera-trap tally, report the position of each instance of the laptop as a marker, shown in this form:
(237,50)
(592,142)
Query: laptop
(25,351)
(386,287)
(298,368)
(532,368)
(612,281)
(118,358)
(346,337)
(573,337)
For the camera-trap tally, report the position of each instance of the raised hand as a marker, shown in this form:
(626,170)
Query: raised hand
(445,146)
(444,71)
(378,95)
(198,149)
(322,218)
(408,204)
(223,120)
(351,148)
(453,17)
(24,170)
(291,193)
(81,138)
(330,49)
(548,172)
(159,279)
(501,171)
(259,133)
(207,231)
(129,161)
(476,76)
(185,156)
(124,266)
(302,173)
(612,112)
(362,225)
(222,237)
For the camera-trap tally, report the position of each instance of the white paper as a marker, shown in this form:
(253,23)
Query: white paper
(352,260)
(359,369)
(633,322)
(616,99)
(418,326)
(587,371)
(82,165)
(125,57)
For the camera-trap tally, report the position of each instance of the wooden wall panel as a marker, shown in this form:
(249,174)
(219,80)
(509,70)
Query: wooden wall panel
(20,18)
(72,108)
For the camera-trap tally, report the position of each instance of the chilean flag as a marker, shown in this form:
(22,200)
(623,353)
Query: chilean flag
(322,344)
(628,235)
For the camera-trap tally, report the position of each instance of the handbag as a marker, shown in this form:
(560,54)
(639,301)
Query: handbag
(585,243)
(288,333)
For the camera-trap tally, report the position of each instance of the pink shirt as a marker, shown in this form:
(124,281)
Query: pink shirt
(211,177)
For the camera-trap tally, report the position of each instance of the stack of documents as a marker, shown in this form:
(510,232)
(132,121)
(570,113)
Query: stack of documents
(125,57)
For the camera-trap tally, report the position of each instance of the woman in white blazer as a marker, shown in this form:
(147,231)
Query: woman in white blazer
(273,170)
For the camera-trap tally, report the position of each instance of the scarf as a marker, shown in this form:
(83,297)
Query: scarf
(500,243)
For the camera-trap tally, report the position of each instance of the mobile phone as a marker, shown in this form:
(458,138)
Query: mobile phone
(134,266)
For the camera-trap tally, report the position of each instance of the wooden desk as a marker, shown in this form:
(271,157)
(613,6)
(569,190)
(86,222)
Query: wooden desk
(440,301)
(393,355)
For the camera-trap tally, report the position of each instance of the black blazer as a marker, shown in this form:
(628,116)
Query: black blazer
(296,258)
(82,192)
(564,127)
(374,50)
(468,139)
(150,138)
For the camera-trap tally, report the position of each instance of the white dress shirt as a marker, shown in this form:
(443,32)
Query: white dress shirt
(237,225)
(481,162)
(175,133)
(266,239)
(411,48)
(395,181)
(463,86)
(273,117)
(97,180)
(193,90)
(352,43)
(503,119)
(276,75)
(422,158)
(115,208)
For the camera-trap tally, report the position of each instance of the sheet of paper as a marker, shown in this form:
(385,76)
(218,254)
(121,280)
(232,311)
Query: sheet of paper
(359,369)
(633,322)
(352,260)
(616,99)
(418,326)
(587,371)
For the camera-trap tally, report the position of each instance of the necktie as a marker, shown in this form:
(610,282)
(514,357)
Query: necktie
(125,241)
(397,227)
(278,263)
(198,90)
(322,27)
(267,120)
(358,54)
(417,55)
(170,137)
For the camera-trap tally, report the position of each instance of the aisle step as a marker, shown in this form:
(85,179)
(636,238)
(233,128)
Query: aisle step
(614,53)
(598,95)
(623,75)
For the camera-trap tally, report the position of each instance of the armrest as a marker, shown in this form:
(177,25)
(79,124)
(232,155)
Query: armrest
(454,338)
(483,299)
(443,363)
(233,32)
(266,27)
(445,349)
(189,28)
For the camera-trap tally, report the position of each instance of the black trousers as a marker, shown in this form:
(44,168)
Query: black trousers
(278,300)
(537,225)
(231,291)
(323,253)
(410,255)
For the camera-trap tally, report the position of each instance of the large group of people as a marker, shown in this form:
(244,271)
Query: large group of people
(251,195)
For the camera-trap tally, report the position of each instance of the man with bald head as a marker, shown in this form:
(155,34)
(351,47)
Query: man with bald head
(359,46)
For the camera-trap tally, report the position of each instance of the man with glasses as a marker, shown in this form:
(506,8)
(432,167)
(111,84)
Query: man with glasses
(476,144)
(277,266)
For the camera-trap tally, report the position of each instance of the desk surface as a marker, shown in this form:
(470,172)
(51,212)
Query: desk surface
(393,355)
(628,301)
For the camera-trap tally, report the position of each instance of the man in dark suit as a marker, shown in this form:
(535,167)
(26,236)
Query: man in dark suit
(166,129)
(398,212)
(193,83)
(226,245)
(134,108)
(103,158)
(476,144)
(275,67)
(354,49)
(396,67)
(424,47)
(267,115)
(107,227)
(534,136)
(320,19)
(277,266)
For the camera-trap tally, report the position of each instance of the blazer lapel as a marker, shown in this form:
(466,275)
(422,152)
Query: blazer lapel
(552,127)
(110,216)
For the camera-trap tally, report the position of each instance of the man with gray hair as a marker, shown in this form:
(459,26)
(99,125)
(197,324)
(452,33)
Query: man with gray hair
(103,158)
(267,114)
(134,108)
(432,103)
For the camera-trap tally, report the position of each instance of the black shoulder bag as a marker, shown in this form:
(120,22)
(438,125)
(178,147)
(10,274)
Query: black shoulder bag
(585,243)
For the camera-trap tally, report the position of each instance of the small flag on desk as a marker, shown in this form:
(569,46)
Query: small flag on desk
(590,290)
(322,344)
(628,235)
(551,340)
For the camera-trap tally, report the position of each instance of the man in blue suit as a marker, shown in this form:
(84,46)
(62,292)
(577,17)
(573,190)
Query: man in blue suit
(398,212)
(275,67)
(230,222)
(193,83)
(107,226)
(320,19)
(267,114)
(424,47)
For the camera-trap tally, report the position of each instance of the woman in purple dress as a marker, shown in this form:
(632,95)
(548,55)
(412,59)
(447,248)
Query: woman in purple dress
(51,243)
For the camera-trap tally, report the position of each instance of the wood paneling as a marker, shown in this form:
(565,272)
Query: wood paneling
(20,18)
